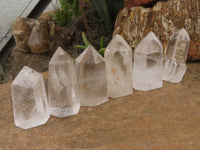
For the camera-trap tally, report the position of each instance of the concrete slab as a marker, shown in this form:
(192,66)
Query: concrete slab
(12,9)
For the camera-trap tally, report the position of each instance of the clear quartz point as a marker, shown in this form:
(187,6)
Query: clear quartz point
(176,56)
(91,74)
(148,64)
(118,57)
(29,98)
(62,85)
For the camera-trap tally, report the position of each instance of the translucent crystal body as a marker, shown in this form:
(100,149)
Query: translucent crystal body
(91,74)
(62,85)
(29,99)
(176,56)
(148,64)
(118,57)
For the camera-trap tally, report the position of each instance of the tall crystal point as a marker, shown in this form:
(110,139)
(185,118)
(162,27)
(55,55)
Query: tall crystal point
(62,85)
(148,64)
(118,57)
(176,56)
(91,74)
(29,99)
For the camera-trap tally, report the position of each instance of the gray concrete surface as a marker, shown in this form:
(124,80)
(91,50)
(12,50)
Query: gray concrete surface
(12,9)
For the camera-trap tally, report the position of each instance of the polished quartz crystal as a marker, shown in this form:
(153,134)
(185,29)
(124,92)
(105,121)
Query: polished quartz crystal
(91,74)
(29,99)
(62,85)
(118,57)
(148,64)
(176,56)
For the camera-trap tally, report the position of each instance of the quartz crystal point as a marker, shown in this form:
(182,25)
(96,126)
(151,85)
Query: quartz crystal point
(148,64)
(176,56)
(29,99)
(91,74)
(62,85)
(118,57)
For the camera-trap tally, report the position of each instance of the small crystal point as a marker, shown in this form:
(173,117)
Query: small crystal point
(148,64)
(91,74)
(118,57)
(176,56)
(29,99)
(62,85)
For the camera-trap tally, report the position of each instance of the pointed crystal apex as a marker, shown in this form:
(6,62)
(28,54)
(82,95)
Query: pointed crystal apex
(90,56)
(60,57)
(181,35)
(118,57)
(118,40)
(62,85)
(29,99)
(150,44)
(176,56)
(148,64)
(27,75)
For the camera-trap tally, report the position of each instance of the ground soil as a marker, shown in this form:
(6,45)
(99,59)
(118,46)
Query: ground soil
(39,62)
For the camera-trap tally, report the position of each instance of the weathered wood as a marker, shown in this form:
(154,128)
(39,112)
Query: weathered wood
(132,3)
(164,19)
(162,119)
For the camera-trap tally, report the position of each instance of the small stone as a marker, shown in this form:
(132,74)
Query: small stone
(118,57)
(62,85)
(148,64)
(39,39)
(29,99)
(176,56)
(91,74)
(21,31)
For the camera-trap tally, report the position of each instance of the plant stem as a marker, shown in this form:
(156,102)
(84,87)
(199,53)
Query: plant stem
(84,20)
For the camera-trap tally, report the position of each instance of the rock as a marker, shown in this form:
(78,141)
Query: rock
(46,15)
(164,19)
(132,3)
(39,39)
(21,31)
(39,36)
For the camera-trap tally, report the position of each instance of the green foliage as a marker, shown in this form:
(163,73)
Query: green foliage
(107,10)
(87,43)
(69,10)
(4,67)
(102,49)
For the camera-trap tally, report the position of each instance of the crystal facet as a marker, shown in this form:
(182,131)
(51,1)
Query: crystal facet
(118,57)
(176,56)
(29,99)
(148,64)
(62,85)
(91,74)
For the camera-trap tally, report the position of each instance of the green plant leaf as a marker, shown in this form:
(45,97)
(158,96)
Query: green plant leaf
(101,51)
(85,40)
(101,42)
(80,46)
(53,16)
(69,9)
(102,9)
